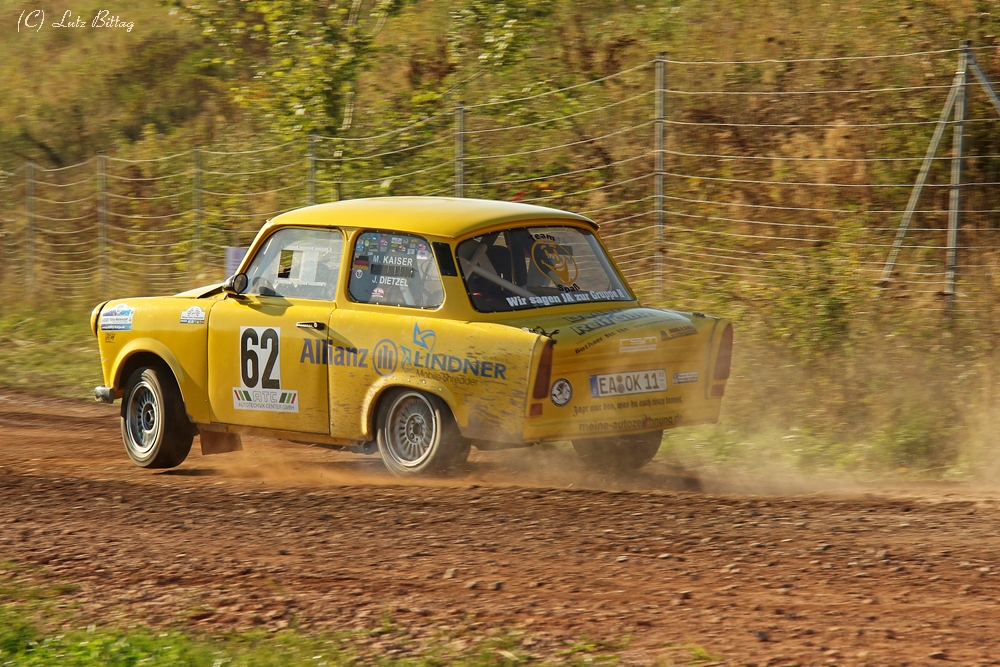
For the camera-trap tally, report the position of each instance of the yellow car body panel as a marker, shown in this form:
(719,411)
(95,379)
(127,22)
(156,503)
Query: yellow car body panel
(333,360)
(480,370)
(154,326)
(615,347)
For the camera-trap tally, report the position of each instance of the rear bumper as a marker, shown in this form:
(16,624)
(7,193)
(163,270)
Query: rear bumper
(104,394)
(561,424)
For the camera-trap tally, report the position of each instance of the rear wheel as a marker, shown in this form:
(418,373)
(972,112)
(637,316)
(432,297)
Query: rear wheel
(155,428)
(624,452)
(417,434)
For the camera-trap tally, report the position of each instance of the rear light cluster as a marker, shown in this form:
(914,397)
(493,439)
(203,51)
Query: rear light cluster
(545,372)
(724,361)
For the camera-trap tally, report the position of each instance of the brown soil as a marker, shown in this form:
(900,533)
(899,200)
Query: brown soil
(527,540)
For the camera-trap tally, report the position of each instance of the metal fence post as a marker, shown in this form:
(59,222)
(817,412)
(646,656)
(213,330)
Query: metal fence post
(955,200)
(29,232)
(661,110)
(311,162)
(102,219)
(460,150)
(196,205)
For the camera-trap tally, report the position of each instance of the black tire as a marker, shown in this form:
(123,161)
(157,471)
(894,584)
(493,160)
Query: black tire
(625,452)
(155,428)
(417,434)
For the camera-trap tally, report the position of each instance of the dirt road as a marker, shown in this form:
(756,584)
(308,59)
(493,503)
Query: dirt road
(285,535)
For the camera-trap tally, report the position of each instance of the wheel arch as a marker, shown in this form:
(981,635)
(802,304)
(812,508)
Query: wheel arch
(377,393)
(147,353)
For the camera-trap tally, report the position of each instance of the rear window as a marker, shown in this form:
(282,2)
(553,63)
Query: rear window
(535,267)
(395,269)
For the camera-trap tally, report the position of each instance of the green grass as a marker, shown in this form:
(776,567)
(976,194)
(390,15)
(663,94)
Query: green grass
(39,625)
(49,351)
(67,643)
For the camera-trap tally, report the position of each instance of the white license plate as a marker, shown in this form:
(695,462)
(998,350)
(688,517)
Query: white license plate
(632,382)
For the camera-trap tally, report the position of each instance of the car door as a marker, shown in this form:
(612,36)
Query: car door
(265,347)
(393,278)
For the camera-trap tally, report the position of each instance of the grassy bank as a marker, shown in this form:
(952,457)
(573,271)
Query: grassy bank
(49,351)
(37,627)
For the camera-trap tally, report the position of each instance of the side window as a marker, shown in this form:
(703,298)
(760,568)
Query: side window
(299,263)
(396,270)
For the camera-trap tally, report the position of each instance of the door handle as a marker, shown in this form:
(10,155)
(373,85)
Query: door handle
(318,326)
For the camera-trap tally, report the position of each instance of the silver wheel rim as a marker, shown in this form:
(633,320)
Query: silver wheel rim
(143,419)
(411,429)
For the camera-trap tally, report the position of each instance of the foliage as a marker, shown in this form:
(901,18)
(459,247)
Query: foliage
(295,62)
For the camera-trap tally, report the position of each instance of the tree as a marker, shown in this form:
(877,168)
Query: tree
(296,62)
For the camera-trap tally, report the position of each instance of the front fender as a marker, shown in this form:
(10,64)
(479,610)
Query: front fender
(195,397)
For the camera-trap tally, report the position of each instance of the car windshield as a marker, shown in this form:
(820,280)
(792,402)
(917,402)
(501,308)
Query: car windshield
(301,263)
(535,267)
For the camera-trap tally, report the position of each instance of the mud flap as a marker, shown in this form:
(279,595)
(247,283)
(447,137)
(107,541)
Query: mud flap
(213,442)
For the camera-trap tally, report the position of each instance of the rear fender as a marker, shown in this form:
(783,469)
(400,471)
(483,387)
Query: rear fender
(429,386)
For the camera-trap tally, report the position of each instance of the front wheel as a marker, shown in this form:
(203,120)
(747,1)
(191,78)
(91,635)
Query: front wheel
(624,452)
(417,434)
(155,428)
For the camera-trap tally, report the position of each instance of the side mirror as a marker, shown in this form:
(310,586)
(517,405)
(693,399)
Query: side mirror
(236,285)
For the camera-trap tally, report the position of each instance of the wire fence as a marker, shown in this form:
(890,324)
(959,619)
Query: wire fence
(726,183)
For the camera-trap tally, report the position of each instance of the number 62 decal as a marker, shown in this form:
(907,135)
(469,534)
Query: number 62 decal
(260,373)
(260,345)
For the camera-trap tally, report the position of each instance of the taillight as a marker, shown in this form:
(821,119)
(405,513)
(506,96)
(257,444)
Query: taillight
(544,372)
(724,362)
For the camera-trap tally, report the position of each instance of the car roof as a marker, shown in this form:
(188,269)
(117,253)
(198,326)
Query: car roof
(451,217)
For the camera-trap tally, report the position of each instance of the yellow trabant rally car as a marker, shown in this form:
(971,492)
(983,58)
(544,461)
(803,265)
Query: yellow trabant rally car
(417,326)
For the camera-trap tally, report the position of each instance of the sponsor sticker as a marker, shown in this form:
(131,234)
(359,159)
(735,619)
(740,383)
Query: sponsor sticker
(260,373)
(268,400)
(677,332)
(378,293)
(118,318)
(632,382)
(193,315)
(385,357)
(645,344)
(687,377)
(562,392)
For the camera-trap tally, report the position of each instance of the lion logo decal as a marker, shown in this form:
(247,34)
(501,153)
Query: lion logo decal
(555,261)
